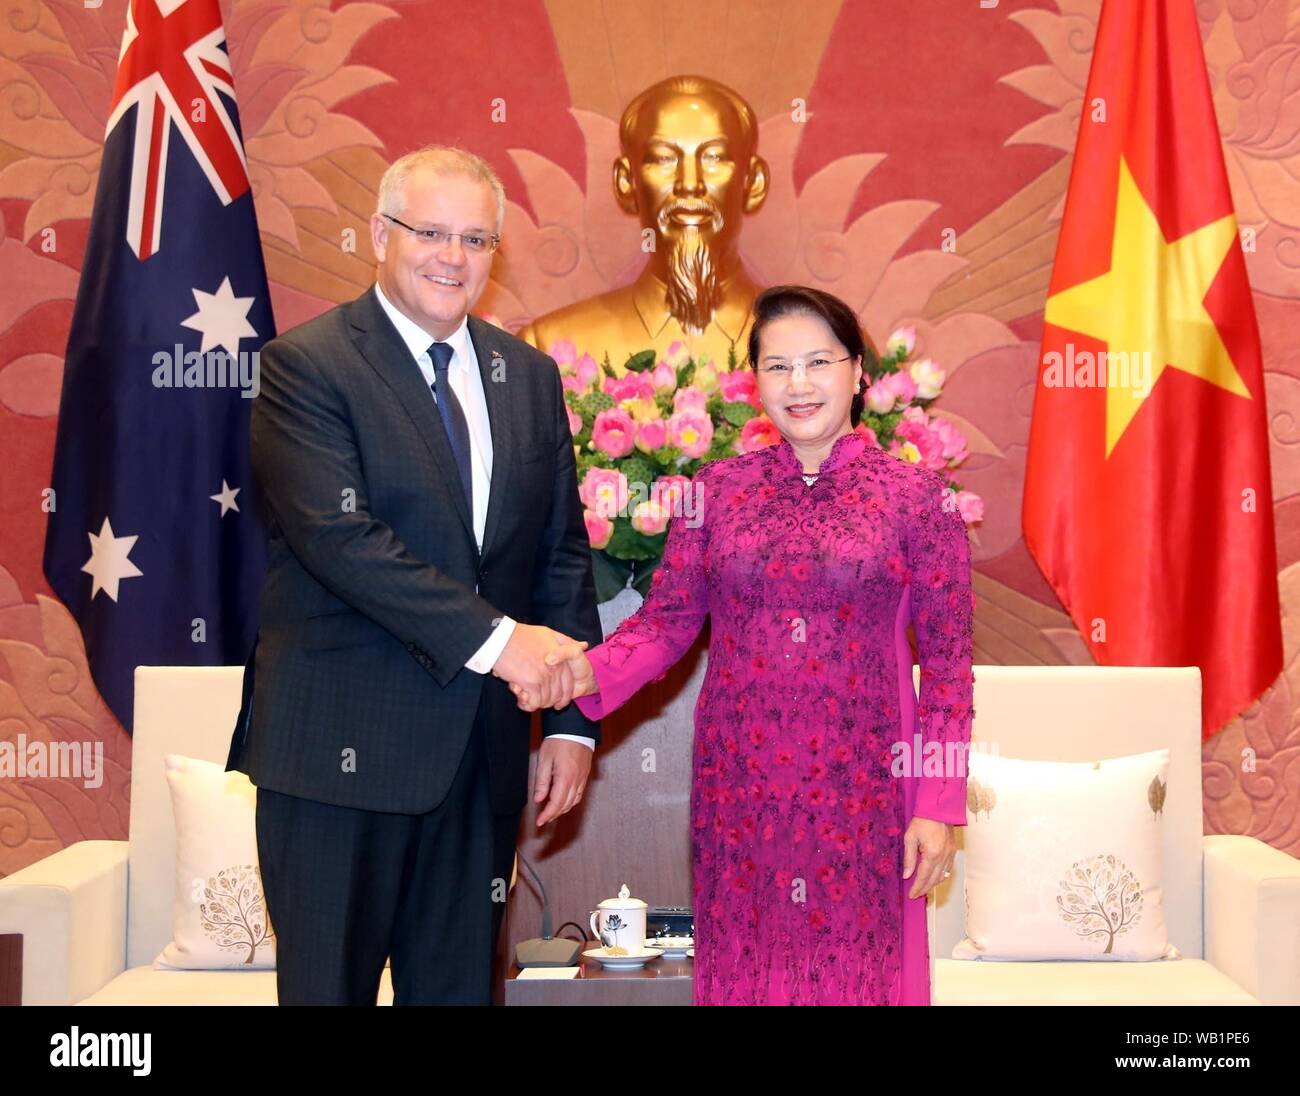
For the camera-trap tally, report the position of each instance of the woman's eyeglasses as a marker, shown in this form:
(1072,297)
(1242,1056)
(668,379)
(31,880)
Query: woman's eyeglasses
(436,237)
(815,366)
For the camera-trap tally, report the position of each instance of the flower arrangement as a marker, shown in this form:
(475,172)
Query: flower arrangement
(896,416)
(640,437)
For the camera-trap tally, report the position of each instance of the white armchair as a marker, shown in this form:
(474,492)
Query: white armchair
(95,915)
(1232,903)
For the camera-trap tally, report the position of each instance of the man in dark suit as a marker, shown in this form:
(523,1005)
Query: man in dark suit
(427,550)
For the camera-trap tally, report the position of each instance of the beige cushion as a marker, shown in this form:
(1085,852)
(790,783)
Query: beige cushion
(219,919)
(1187,982)
(1078,713)
(146,986)
(1063,859)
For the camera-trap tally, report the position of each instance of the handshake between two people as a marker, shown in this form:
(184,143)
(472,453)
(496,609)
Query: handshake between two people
(544,668)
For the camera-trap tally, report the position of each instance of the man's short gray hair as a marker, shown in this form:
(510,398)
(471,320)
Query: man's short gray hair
(443,160)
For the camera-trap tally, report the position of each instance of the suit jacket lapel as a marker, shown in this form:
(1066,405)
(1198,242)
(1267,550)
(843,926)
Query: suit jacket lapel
(387,355)
(490,351)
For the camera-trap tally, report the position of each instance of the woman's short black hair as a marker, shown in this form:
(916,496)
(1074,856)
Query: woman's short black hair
(787,300)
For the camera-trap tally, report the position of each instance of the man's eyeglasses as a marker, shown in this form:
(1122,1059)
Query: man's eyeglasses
(815,366)
(436,237)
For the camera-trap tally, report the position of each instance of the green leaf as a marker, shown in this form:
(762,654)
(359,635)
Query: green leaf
(686,374)
(611,575)
(641,361)
(627,543)
(722,445)
(643,574)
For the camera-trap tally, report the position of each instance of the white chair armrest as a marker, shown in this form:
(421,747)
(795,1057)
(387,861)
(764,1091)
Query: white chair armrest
(71,911)
(1252,916)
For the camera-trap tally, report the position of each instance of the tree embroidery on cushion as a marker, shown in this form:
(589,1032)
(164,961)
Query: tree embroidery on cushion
(979,798)
(1156,795)
(1100,896)
(233,910)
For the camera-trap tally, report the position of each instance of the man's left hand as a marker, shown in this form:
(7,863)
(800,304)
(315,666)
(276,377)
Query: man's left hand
(563,767)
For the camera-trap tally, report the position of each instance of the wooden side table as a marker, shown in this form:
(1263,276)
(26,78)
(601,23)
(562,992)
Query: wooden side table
(659,982)
(11,969)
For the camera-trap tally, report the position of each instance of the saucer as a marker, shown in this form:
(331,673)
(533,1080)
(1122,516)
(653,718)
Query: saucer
(623,962)
(671,947)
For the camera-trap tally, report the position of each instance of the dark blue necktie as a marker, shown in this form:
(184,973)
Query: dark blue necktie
(453,418)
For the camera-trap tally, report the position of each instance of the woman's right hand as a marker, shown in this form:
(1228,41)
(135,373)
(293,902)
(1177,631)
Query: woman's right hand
(579,665)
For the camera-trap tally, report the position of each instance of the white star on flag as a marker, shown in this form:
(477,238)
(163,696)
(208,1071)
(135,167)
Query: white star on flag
(226,498)
(222,318)
(108,563)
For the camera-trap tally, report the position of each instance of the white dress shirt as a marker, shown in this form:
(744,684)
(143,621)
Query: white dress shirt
(467,383)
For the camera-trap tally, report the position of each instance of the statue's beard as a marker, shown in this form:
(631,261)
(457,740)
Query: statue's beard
(694,280)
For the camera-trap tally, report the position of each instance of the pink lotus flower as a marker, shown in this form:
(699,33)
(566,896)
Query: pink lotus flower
(929,378)
(630,386)
(669,490)
(572,384)
(879,399)
(650,518)
(739,387)
(642,410)
(651,435)
(691,432)
(928,447)
(664,377)
(599,529)
(689,398)
(613,433)
(586,370)
(869,434)
(970,506)
(677,354)
(575,422)
(564,353)
(903,339)
(604,491)
(758,433)
(706,376)
(952,440)
(901,386)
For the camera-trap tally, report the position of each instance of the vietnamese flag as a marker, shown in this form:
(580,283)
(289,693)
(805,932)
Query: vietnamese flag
(1147,501)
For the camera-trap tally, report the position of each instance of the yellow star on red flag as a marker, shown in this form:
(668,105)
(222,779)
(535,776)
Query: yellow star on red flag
(1151,301)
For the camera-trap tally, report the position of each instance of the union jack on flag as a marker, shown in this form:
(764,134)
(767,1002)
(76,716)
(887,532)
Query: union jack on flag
(172,67)
(154,540)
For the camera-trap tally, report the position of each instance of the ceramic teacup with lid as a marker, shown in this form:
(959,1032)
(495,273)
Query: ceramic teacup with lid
(620,922)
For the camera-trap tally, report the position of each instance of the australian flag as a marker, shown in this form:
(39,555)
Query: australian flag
(154,540)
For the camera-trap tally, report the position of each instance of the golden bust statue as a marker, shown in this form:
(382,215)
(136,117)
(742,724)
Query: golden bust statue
(690,171)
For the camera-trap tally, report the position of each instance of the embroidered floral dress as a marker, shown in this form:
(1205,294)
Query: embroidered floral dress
(796,819)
